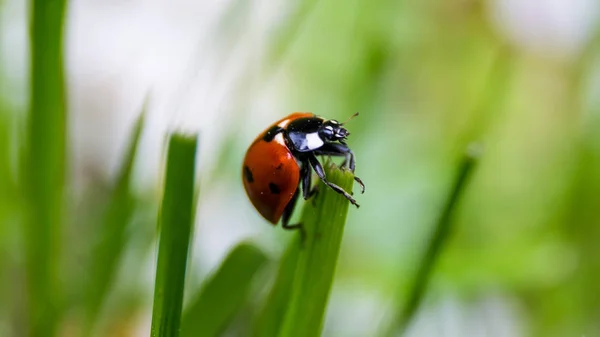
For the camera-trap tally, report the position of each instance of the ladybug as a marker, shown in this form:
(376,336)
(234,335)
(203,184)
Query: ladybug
(282,158)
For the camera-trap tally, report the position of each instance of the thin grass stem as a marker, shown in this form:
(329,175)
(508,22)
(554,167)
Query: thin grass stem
(439,237)
(45,166)
(175,226)
(324,223)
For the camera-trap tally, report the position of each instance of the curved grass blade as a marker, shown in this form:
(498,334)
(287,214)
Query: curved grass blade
(6,191)
(224,293)
(175,226)
(113,236)
(436,244)
(317,258)
(45,165)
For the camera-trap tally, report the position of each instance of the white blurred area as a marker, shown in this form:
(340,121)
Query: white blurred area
(172,51)
(118,53)
(555,28)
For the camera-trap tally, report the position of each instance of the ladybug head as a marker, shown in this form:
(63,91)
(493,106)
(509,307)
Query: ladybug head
(332,130)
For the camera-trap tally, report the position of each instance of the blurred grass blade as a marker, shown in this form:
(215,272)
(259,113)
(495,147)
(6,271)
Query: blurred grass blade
(113,236)
(7,193)
(7,188)
(175,226)
(438,239)
(45,165)
(224,293)
(269,320)
(317,259)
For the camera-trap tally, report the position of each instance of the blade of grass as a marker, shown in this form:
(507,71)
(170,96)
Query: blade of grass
(45,165)
(437,241)
(268,322)
(7,187)
(175,226)
(5,192)
(224,293)
(324,224)
(113,236)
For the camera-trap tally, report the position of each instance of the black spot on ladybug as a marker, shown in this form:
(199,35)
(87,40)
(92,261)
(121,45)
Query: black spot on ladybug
(248,174)
(274,188)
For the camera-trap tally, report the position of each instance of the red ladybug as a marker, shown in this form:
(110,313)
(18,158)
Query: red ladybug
(281,159)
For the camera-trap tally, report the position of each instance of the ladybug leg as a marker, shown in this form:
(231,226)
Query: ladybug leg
(306,177)
(287,214)
(308,191)
(332,149)
(321,173)
(362,185)
(306,180)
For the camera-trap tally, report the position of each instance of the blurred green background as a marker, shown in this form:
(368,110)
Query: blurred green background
(428,78)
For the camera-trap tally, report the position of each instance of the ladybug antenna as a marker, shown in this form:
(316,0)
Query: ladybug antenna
(349,119)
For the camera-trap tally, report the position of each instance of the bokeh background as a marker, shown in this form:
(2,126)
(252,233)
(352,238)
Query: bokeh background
(522,78)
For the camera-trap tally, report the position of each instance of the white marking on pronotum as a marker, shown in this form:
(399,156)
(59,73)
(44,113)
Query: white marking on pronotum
(279,139)
(284,123)
(313,141)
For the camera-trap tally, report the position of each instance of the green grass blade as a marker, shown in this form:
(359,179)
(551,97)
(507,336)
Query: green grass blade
(175,225)
(224,293)
(113,235)
(324,223)
(7,188)
(269,320)
(45,165)
(438,239)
